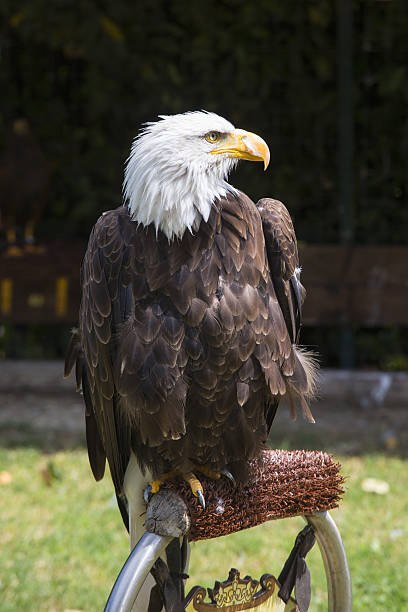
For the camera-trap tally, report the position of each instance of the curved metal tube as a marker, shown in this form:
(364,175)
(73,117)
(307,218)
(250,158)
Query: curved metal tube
(335,561)
(150,547)
(134,572)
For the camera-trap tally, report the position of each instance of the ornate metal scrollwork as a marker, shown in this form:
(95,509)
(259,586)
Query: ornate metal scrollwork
(238,593)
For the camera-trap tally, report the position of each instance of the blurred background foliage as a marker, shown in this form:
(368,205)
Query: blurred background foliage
(87,74)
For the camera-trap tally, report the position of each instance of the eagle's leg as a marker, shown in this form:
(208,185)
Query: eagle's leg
(196,487)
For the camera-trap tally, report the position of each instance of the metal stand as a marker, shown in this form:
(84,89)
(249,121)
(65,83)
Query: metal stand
(150,547)
(335,561)
(134,572)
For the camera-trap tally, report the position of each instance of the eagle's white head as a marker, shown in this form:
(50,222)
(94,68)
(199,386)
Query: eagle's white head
(178,167)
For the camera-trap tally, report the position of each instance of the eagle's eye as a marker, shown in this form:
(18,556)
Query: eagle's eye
(212,136)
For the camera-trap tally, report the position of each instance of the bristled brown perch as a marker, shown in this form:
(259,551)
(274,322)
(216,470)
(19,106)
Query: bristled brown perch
(281,484)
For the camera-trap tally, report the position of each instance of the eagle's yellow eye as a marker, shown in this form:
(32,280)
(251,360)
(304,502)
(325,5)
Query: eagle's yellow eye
(212,136)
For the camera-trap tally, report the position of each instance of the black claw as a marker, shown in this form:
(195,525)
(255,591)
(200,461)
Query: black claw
(146,493)
(228,475)
(201,499)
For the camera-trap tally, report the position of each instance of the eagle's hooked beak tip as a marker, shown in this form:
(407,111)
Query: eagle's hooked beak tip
(245,145)
(266,161)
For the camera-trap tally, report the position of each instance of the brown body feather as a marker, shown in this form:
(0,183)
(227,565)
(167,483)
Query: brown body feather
(185,347)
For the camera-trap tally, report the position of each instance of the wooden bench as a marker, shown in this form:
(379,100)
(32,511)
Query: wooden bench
(362,285)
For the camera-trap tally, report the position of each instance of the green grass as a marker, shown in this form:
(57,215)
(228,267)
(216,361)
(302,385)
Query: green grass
(61,546)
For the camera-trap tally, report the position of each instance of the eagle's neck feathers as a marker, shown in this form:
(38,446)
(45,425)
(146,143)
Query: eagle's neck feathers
(178,199)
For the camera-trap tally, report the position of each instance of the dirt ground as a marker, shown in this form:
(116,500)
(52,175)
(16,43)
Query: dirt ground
(357,412)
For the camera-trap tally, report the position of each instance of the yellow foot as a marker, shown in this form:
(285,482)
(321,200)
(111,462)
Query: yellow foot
(14,251)
(154,485)
(203,469)
(196,487)
(215,475)
(194,483)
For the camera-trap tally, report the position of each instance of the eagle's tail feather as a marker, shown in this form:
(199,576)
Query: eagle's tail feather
(73,352)
(302,384)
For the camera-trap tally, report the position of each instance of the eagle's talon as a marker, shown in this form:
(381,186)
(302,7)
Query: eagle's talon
(228,475)
(201,499)
(147,492)
(196,487)
(154,485)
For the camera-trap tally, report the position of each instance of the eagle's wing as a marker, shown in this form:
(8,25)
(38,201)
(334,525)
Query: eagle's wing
(283,260)
(105,305)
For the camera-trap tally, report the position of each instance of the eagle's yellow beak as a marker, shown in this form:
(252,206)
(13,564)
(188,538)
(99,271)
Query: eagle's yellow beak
(244,145)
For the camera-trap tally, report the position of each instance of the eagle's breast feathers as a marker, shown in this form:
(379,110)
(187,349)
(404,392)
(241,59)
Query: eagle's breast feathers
(189,344)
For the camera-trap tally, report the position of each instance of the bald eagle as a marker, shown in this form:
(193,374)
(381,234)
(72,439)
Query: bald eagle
(190,315)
